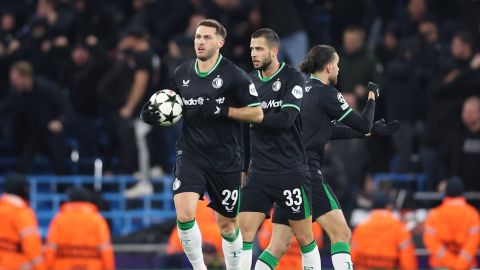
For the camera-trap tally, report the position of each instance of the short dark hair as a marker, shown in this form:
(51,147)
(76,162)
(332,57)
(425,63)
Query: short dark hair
(24,68)
(466,37)
(79,194)
(17,184)
(269,35)
(354,28)
(220,29)
(136,31)
(454,187)
(317,58)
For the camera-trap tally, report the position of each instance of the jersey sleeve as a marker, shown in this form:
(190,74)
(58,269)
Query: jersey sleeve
(143,62)
(335,104)
(245,92)
(294,92)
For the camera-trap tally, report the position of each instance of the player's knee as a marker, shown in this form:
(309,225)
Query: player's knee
(342,234)
(227,226)
(185,217)
(304,239)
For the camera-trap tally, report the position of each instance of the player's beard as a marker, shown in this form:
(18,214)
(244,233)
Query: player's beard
(207,55)
(265,65)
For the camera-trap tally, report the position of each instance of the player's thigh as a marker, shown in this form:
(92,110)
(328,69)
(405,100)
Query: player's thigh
(291,192)
(189,176)
(224,191)
(186,205)
(188,186)
(324,199)
(255,195)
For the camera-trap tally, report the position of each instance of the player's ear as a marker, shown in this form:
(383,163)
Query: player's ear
(328,67)
(221,42)
(275,50)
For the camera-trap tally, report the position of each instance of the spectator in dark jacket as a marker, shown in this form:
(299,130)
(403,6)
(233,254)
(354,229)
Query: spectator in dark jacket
(38,111)
(460,152)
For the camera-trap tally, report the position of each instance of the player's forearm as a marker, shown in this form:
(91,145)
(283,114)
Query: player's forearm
(362,122)
(344,133)
(252,115)
(280,120)
(139,88)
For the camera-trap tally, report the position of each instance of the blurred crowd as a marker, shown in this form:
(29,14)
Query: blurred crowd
(74,74)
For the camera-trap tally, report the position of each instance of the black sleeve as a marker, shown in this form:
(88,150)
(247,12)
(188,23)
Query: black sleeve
(338,109)
(281,120)
(245,91)
(246,146)
(291,105)
(343,132)
(361,122)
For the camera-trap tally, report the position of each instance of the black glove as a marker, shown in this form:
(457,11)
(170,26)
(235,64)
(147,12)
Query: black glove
(211,109)
(380,128)
(150,114)
(373,87)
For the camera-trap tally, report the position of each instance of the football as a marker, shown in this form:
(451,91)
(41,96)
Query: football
(169,105)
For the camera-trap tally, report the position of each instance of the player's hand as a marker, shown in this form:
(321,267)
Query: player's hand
(150,114)
(373,87)
(380,128)
(211,109)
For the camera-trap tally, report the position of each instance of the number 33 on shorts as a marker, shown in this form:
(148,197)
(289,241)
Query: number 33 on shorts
(293,199)
(230,199)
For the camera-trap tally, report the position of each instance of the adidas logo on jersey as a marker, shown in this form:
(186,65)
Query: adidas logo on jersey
(199,101)
(271,104)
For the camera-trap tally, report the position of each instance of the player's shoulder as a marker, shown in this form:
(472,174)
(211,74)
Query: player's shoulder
(185,67)
(291,73)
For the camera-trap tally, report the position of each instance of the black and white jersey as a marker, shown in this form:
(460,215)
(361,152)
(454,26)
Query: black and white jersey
(323,106)
(213,143)
(274,150)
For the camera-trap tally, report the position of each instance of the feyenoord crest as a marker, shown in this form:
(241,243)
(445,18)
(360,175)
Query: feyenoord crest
(276,86)
(217,82)
(176,184)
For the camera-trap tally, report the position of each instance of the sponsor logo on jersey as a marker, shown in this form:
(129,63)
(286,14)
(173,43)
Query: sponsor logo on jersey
(271,104)
(342,100)
(307,89)
(199,101)
(276,86)
(217,82)
(185,82)
(176,184)
(253,90)
(297,91)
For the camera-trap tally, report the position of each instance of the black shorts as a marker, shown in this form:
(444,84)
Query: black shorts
(223,187)
(290,192)
(323,200)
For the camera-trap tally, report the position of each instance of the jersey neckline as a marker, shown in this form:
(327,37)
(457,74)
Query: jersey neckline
(266,79)
(205,74)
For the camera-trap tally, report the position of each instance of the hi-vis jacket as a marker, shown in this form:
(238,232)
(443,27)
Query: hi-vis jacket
(452,234)
(382,241)
(20,242)
(79,238)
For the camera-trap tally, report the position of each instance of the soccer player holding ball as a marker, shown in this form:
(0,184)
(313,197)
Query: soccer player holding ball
(209,153)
